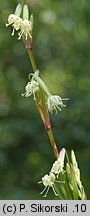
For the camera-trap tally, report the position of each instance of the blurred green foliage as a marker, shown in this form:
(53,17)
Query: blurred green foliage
(61,45)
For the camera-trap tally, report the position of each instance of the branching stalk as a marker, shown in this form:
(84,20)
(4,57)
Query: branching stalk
(44,115)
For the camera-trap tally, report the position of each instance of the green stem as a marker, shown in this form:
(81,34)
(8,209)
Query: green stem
(22,1)
(32,60)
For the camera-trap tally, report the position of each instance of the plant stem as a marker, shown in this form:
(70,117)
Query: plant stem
(32,60)
(28,45)
(51,137)
(22,1)
(40,112)
(45,118)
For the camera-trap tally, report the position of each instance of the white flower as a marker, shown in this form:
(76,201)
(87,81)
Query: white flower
(56,168)
(54,102)
(59,163)
(48,181)
(26,29)
(31,88)
(15,21)
(11,19)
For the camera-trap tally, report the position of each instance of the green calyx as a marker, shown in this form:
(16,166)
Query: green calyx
(18,10)
(42,85)
(25,12)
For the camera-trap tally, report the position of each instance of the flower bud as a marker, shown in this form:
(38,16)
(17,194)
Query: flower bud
(32,20)
(68,172)
(62,156)
(73,158)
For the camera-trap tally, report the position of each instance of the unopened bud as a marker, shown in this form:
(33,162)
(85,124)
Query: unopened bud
(32,20)
(68,171)
(73,158)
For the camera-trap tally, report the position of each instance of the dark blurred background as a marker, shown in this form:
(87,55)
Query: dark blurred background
(61,41)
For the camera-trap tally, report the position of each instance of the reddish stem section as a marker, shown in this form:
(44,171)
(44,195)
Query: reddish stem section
(29,44)
(51,137)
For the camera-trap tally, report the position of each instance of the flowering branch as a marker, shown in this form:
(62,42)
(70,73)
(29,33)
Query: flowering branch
(42,110)
(67,177)
(43,113)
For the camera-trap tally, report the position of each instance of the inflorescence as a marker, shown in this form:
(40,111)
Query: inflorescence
(23,25)
(36,84)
